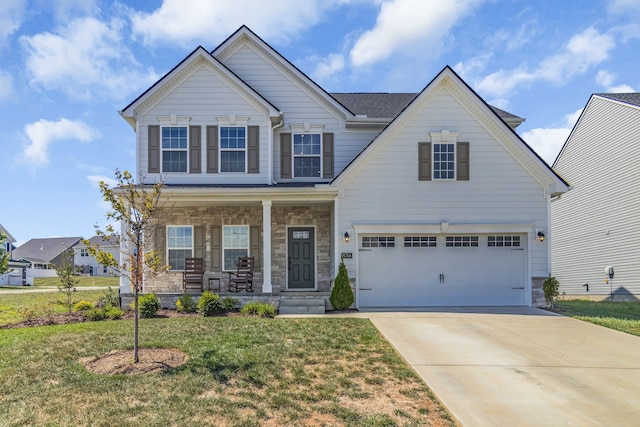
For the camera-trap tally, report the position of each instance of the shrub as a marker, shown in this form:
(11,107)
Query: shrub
(95,314)
(341,295)
(148,305)
(186,304)
(551,289)
(209,304)
(82,306)
(30,312)
(258,309)
(113,313)
(110,297)
(229,303)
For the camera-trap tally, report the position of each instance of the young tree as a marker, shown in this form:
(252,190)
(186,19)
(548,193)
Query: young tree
(68,280)
(341,295)
(136,207)
(4,255)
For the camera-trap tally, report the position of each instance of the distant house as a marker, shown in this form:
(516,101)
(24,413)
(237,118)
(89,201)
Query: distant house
(87,264)
(9,242)
(596,225)
(429,198)
(44,254)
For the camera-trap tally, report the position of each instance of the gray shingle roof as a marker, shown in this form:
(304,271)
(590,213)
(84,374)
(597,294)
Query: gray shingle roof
(99,240)
(44,250)
(632,98)
(388,105)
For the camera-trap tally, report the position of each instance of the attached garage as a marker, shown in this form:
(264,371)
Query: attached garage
(401,270)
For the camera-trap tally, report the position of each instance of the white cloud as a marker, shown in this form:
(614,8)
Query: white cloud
(327,67)
(606,80)
(619,7)
(96,179)
(68,9)
(11,17)
(6,85)
(86,58)
(206,21)
(43,133)
(547,142)
(581,52)
(407,25)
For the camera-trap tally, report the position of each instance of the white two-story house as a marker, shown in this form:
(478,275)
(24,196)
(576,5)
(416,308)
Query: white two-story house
(429,198)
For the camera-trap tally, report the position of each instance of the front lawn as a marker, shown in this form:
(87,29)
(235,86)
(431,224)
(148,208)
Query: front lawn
(112,281)
(240,372)
(621,316)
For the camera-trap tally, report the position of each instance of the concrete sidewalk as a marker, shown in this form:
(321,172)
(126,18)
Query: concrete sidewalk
(519,366)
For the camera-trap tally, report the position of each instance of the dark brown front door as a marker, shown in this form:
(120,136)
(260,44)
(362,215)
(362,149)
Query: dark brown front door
(301,258)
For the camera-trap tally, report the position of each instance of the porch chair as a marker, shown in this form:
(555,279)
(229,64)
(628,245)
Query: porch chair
(242,278)
(193,274)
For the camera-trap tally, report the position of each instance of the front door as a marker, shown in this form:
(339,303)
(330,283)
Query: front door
(301,258)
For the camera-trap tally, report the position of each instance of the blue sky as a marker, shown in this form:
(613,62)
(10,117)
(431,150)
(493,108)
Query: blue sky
(68,66)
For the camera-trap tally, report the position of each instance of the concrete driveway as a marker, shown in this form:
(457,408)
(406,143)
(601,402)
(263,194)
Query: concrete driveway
(519,366)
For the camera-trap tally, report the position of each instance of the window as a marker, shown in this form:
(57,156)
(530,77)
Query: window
(504,241)
(444,161)
(462,241)
(235,244)
(233,146)
(174,149)
(84,252)
(179,245)
(307,155)
(420,241)
(378,242)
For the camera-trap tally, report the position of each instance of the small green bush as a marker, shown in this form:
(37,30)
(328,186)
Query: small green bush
(209,304)
(148,305)
(258,309)
(82,306)
(29,312)
(341,295)
(95,314)
(113,313)
(551,289)
(110,297)
(186,304)
(229,303)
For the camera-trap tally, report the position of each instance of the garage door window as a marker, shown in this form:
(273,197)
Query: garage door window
(420,241)
(503,241)
(462,241)
(378,242)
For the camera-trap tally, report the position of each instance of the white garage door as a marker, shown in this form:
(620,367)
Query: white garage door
(439,270)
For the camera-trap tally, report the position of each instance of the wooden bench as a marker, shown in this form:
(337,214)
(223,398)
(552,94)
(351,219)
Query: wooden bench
(242,278)
(193,274)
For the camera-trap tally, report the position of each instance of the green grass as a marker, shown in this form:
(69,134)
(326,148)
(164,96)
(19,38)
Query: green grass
(82,281)
(10,303)
(621,316)
(240,372)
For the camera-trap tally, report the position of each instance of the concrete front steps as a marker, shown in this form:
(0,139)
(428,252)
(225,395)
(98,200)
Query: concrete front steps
(301,305)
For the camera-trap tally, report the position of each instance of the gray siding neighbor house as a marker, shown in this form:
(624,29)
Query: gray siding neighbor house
(429,198)
(596,225)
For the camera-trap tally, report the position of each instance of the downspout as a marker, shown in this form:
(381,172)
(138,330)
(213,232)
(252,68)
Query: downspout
(272,181)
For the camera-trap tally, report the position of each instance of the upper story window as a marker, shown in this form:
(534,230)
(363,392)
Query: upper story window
(444,161)
(174,149)
(233,149)
(84,252)
(307,159)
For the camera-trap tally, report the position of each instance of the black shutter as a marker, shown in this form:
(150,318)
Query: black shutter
(253,149)
(198,242)
(154,149)
(462,161)
(194,149)
(216,248)
(212,149)
(255,244)
(327,155)
(424,161)
(160,244)
(285,155)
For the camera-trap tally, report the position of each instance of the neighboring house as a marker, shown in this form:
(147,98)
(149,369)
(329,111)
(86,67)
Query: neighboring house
(87,264)
(9,242)
(430,198)
(44,254)
(596,224)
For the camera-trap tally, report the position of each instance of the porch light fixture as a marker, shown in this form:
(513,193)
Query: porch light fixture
(541,236)
(346,237)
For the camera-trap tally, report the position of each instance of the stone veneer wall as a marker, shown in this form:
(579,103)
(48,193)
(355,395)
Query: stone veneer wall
(537,294)
(319,215)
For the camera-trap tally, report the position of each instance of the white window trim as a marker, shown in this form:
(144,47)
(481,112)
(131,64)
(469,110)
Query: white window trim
(174,121)
(178,248)
(245,149)
(306,129)
(444,137)
(224,248)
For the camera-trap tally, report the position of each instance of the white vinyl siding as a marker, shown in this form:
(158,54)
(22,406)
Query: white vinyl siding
(595,224)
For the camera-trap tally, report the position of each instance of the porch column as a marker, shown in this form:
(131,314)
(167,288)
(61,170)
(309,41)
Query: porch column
(266,247)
